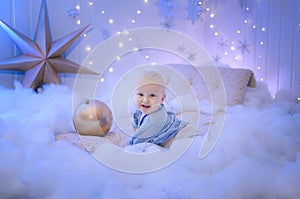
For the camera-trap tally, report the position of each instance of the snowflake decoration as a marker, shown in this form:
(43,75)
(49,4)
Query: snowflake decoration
(217,59)
(166,11)
(105,33)
(243,4)
(181,49)
(194,10)
(244,46)
(191,56)
(222,43)
(73,12)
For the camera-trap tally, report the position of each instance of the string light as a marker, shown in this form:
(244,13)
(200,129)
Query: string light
(111,69)
(258,68)
(102,80)
(216,33)
(261,43)
(263,29)
(121,44)
(103,12)
(78,22)
(88,48)
(138,12)
(238,31)
(133,21)
(211,26)
(147,56)
(110,21)
(212,15)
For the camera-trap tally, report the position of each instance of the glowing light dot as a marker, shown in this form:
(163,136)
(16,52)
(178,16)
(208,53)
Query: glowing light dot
(84,35)
(254,26)
(147,56)
(102,79)
(78,22)
(212,15)
(258,68)
(111,69)
(77,7)
(145,1)
(236,57)
(211,26)
(261,79)
(261,43)
(91,3)
(247,8)
(153,63)
(133,21)
(259,56)
(216,33)
(207,9)
(119,32)
(103,12)
(298,98)
(88,48)
(118,58)
(121,44)
(263,29)
(130,39)
(110,21)
(200,2)
(138,12)
(135,49)
(245,21)
(232,48)
(225,53)
(91,62)
(238,31)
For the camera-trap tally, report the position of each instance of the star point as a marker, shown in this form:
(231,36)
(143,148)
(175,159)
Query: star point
(41,59)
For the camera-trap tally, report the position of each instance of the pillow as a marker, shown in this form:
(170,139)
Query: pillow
(235,82)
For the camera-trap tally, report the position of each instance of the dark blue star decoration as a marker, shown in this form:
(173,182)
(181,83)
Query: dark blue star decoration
(244,46)
(194,10)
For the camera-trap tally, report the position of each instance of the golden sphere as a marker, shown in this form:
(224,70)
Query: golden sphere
(92,117)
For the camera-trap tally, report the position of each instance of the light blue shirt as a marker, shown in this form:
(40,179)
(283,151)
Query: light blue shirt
(156,127)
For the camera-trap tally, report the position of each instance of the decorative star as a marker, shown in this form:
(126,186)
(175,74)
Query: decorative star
(41,59)
(244,46)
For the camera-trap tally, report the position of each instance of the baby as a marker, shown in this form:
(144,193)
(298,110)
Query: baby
(151,120)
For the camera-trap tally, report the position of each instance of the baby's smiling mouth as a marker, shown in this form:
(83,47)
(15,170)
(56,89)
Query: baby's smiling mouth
(145,106)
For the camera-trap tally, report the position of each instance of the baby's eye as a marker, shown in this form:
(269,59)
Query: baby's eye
(140,94)
(152,95)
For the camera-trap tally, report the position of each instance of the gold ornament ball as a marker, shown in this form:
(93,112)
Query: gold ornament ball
(92,117)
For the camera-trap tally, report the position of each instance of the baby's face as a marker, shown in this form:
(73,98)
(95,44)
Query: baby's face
(149,97)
